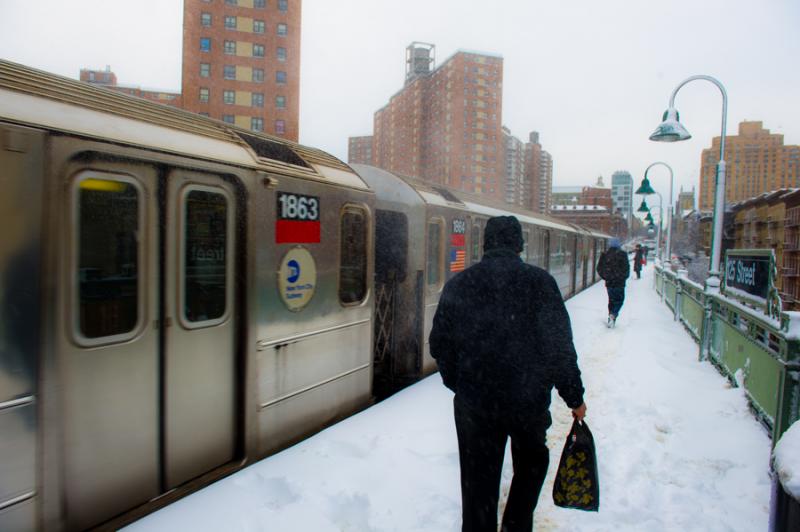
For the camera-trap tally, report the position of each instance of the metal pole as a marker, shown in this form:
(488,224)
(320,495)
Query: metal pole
(719,197)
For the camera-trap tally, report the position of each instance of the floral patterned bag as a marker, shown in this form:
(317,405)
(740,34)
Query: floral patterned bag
(576,484)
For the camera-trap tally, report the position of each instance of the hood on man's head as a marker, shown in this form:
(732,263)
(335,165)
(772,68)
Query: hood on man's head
(503,232)
(614,243)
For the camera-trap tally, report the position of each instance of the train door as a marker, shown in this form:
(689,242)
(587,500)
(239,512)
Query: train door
(585,258)
(391,265)
(146,353)
(109,359)
(200,326)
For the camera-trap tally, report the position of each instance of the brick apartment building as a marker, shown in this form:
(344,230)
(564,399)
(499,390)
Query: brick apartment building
(756,160)
(444,125)
(106,78)
(359,150)
(539,174)
(241,63)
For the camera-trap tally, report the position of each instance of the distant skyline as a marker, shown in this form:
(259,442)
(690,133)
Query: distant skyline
(591,77)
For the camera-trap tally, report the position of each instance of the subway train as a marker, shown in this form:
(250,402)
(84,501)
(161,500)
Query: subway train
(181,297)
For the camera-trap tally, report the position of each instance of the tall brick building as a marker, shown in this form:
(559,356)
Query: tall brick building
(444,125)
(517,187)
(359,150)
(539,174)
(756,160)
(241,63)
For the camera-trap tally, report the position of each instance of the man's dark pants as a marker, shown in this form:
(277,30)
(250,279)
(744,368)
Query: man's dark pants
(481,445)
(616,295)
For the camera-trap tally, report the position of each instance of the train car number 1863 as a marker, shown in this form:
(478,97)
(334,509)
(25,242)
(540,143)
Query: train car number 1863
(297,219)
(297,207)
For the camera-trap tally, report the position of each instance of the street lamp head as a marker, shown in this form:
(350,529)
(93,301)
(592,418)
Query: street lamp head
(651,226)
(645,189)
(649,218)
(670,129)
(643,207)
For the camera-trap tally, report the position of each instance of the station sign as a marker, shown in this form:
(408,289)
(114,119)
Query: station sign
(749,274)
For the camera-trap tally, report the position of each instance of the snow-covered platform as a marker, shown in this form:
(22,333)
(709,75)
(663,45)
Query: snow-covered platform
(677,447)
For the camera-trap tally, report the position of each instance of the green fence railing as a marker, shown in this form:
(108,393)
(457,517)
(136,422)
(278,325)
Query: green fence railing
(756,352)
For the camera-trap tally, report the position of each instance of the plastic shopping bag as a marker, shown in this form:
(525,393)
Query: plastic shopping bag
(576,484)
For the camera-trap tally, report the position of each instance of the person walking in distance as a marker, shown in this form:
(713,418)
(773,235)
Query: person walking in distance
(614,269)
(638,259)
(502,339)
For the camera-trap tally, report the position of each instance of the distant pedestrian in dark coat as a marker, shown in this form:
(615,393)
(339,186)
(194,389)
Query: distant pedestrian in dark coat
(502,339)
(613,267)
(638,260)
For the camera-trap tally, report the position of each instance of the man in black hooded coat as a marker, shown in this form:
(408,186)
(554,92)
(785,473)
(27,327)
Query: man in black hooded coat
(502,339)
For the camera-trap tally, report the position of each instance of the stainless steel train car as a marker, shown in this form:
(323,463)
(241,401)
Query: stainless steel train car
(409,276)
(180,297)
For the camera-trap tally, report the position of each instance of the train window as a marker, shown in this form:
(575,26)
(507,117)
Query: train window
(475,244)
(434,253)
(391,248)
(526,236)
(205,251)
(108,256)
(353,255)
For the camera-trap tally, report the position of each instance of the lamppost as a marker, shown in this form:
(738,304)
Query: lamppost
(649,218)
(646,189)
(671,130)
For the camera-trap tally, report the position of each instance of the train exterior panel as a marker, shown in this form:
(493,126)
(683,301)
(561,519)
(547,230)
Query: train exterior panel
(181,297)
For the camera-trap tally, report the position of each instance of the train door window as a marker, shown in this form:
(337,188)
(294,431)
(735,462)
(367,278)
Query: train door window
(206,239)
(434,253)
(475,244)
(391,254)
(526,236)
(109,229)
(353,255)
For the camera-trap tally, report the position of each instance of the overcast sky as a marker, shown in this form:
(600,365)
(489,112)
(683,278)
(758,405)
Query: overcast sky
(592,77)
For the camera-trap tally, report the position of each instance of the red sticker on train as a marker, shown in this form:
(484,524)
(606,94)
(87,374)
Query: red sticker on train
(296,232)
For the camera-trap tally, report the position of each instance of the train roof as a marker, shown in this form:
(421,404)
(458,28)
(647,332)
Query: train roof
(446,197)
(32,97)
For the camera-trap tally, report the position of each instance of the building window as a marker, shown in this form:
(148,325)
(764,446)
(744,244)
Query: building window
(258,75)
(282,30)
(229,72)
(230,22)
(205,19)
(280,102)
(257,99)
(228,119)
(260,4)
(283,5)
(205,44)
(257,124)
(258,50)
(280,77)
(353,255)
(258,26)
(229,97)
(203,114)
(232,2)
(205,70)
(203,94)
(280,127)
(281,52)
(230,47)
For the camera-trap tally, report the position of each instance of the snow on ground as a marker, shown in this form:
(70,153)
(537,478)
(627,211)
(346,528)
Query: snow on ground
(677,448)
(787,460)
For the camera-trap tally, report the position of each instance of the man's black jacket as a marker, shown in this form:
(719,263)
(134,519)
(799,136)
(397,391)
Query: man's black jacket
(502,338)
(614,267)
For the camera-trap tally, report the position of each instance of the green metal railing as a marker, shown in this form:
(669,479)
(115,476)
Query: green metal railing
(756,352)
